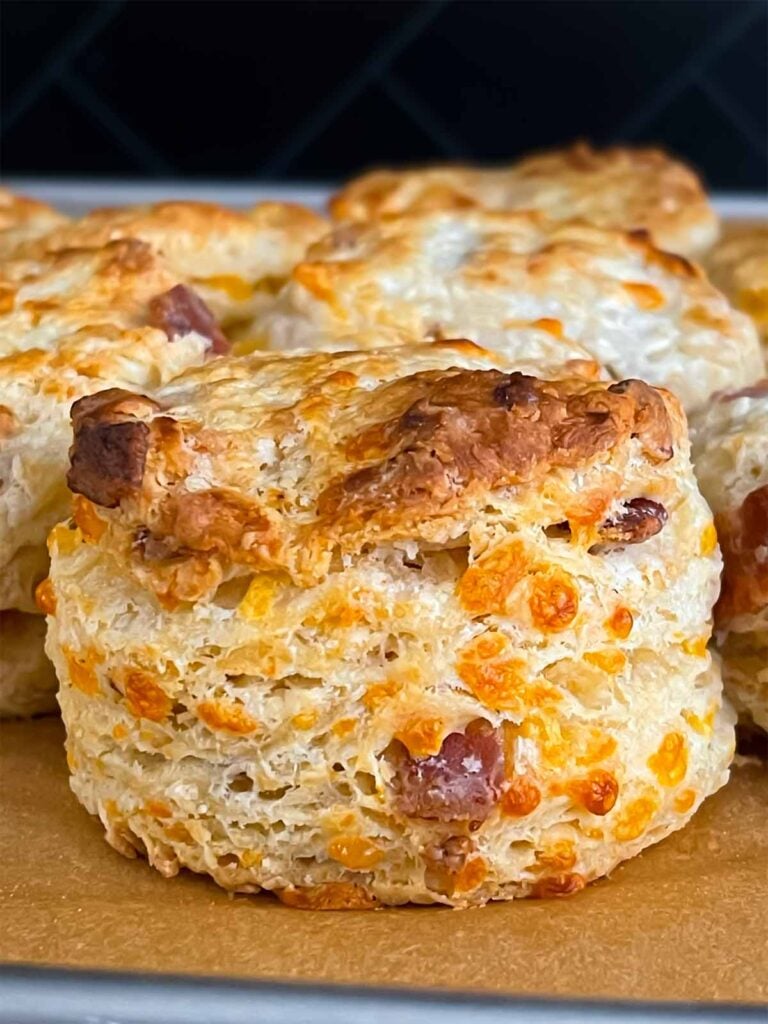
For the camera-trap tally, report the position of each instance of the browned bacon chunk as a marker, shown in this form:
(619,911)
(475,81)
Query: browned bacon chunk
(181,311)
(640,520)
(460,783)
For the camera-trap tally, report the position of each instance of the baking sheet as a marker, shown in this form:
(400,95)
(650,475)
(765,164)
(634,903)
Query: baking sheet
(78,195)
(687,920)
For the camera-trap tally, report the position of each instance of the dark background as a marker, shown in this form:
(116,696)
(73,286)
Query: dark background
(313,91)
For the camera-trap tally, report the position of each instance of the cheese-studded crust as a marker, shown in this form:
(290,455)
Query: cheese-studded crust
(731,460)
(27,678)
(612,188)
(387,626)
(638,310)
(739,266)
(236,260)
(23,220)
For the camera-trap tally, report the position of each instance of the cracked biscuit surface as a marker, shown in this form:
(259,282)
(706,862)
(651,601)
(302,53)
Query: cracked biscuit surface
(612,188)
(639,311)
(731,458)
(376,627)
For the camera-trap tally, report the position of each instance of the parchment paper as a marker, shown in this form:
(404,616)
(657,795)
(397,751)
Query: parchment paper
(686,920)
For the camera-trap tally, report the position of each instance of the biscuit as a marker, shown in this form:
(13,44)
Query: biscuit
(731,459)
(23,220)
(611,188)
(27,679)
(639,311)
(739,266)
(377,627)
(235,260)
(73,323)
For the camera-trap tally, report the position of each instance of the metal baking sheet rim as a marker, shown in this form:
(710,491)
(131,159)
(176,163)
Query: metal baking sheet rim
(77,196)
(35,995)
(32,995)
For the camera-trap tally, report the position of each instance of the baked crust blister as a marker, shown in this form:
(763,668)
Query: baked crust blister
(731,459)
(739,266)
(387,626)
(617,187)
(639,311)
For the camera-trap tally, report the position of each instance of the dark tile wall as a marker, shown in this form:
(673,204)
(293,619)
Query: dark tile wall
(301,90)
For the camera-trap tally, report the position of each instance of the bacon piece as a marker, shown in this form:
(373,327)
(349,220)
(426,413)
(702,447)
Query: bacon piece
(181,311)
(460,783)
(110,445)
(743,535)
(641,519)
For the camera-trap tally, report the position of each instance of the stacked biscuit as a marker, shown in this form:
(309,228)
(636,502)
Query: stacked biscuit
(414,606)
(122,298)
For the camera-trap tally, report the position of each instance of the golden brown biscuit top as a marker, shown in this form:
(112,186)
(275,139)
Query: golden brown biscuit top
(69,289)
(23,219)
(278,462)
(739,265)
(199,238)
(618,187)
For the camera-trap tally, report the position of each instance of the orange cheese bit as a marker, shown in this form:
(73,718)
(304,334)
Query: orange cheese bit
(522,797)
(222,714)
(635,818)
(610,661)
(45,598)
(646,296)
(670,762)
(234,286)
(708,541)
(144,697)
(554,601)
(64,539)
(422,736)
(379,693)
(328,896)
(703,726)
(696,646)
(558,885)
(343,727)
(597,793)
(355,852)
(158,809)
(470,876)
(484,587)
(259,596)
(620,623)
(304,720)
(318,279)
(496,684)
(550,325)
(119,732)
(559,856)
(598,747)
(250,858)
(7,298)
(91,525)
(81,665)
(178,832)
(685,800)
